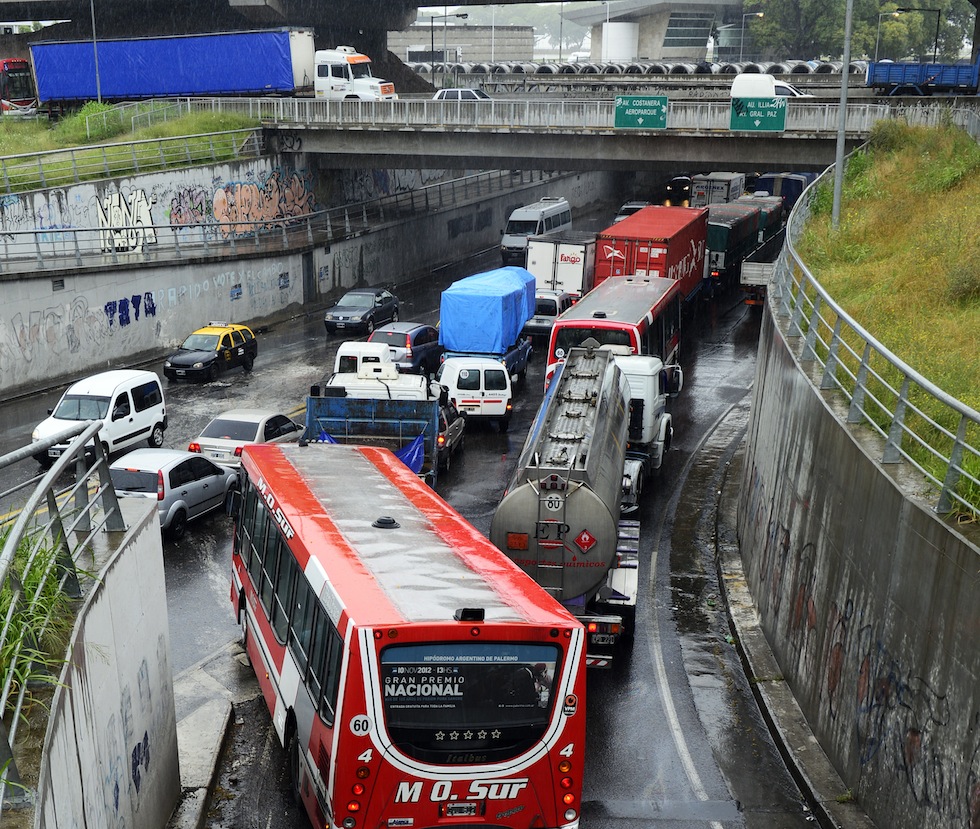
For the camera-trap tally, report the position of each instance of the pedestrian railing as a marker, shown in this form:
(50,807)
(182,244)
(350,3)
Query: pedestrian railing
(527,114)
(58,168)
(43,539)
(918,423)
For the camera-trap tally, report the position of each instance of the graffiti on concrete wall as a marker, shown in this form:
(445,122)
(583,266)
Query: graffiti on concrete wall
(364,185)
(240,208)
(903,724)
(125,223)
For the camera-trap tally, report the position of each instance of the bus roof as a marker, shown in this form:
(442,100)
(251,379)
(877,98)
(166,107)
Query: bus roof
(623,299)
(338,500)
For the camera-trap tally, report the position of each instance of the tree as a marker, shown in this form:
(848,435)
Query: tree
(815,29)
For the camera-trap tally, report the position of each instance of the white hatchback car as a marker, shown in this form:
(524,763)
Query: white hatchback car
(223,439)
(184,485)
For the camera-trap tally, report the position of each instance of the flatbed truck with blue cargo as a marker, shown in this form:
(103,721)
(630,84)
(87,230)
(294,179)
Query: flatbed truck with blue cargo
(406,427)
(891,78)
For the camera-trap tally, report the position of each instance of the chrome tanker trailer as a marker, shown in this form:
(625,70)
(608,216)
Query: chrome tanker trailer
(559,519)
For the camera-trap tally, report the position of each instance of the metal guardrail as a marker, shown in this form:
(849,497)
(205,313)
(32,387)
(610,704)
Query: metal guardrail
(527,114)
(32,251)
(919,423)
(45,537)
(57,168)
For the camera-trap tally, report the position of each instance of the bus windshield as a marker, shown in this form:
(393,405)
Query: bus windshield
(20,84)
(569,337)
(495,697)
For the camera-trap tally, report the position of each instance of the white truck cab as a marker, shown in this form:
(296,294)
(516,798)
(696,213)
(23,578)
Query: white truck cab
(343,74)
(367,370)
(478,387)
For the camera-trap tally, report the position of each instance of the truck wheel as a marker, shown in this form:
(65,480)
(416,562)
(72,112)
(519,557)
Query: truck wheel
(446,461)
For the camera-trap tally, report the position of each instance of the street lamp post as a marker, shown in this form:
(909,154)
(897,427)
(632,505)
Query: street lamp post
(878,33)
(935,43)
(95,55)
(741,39)
(604,51)
(432,40)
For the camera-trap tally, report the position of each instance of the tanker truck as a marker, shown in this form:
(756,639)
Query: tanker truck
(601,429)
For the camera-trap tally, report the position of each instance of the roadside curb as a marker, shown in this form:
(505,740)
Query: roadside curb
(200,739)
(815,774)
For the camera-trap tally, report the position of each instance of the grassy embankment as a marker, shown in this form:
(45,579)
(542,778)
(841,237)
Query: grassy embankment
(905,259)
(20,136)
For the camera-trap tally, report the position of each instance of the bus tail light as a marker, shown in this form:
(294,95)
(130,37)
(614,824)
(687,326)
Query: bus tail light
(569,815)
(568,798)
(357,789)
(565,766)
(350,823)
(362,773)
(566,783)
(354,806)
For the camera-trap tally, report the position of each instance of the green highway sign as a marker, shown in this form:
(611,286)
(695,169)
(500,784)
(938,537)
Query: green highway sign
(758,114)
(641,113)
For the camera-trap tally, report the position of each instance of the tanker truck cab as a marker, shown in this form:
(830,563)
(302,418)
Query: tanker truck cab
(479,387)
(345,74)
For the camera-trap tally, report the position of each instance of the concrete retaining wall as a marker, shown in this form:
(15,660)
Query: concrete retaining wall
(870,602)
(58,326)
(110,752)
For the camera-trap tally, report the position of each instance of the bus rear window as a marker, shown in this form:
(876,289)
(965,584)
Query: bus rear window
(490,700)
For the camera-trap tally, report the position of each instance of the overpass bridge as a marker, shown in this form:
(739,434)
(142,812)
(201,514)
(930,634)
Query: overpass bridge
(556,134)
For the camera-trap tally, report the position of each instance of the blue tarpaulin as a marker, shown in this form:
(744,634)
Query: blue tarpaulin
(413,455)
(225,63)
(485,313)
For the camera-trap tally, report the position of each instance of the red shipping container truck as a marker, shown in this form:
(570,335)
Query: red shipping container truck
(669,242)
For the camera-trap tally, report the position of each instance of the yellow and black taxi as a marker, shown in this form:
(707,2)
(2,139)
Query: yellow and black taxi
(210,350)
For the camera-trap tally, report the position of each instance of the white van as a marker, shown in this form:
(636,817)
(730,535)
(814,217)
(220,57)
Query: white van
(752,85)
(550,214)
(129,403)
(478,387)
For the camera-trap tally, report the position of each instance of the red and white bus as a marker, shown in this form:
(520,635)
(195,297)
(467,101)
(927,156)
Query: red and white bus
(416,676)
(643,313)
(16,85)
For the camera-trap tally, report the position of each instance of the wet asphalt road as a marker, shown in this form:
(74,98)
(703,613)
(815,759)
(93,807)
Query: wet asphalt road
(674,736)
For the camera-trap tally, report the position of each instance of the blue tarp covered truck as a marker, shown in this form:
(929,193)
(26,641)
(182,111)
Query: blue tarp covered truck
(274,61)
(483,316)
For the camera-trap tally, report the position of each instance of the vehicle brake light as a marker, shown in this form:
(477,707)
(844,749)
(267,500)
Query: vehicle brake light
(193,447)
(441,440)
(238,451)
(160,486)
(509,406)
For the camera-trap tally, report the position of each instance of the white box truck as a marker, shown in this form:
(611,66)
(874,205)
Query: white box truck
(563,261)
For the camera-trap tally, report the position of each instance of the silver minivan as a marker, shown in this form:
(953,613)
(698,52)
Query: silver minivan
(129,402)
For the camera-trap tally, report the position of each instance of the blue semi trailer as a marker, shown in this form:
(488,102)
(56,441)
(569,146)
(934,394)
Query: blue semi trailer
(272,61)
